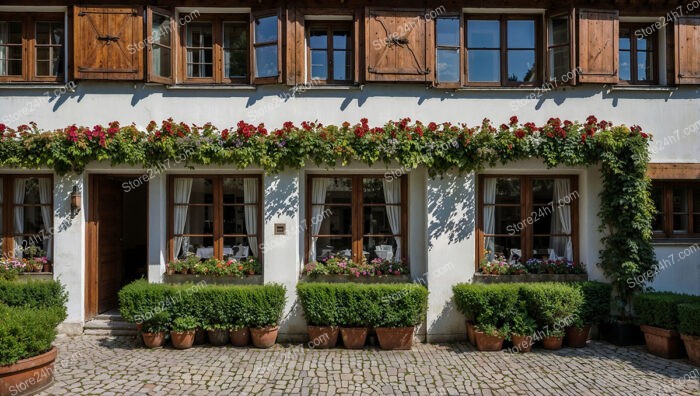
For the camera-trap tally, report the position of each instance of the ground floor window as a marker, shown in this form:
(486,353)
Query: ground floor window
(359,217)
(215,217)
(524,217)
(26,207)
(678,209)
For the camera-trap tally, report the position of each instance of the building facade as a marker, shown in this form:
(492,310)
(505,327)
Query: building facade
(218,62)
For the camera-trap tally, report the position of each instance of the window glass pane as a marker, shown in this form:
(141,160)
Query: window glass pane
(22,243)
(341,39)
(161,61)
(333,246)
(342,65)
(319,64)
(546,247)
(31,191)
(336,220)
(542,191)
(234,220)
(233,190)
(202,191)
(447,31)
(521,66)
(696,224)
(484,65)
(201,246)
(657,194)
(235,36)
(559,31)
(10,32)
(200,57)
(680,223)
(199,35)
(645,65)
(266,61)
(508,191)
(338,190)
(625,67)
(625,37)
(542,218)
(376,221)
(448,65)
(644,43)
(521,34)
(318,39)
(199,220)
(483,34)
(379,247)
(680,199)
(696,199)
(507,219)
(160,31)
(373,190)
(237,248)
(266,29)
(508,247)
(33,222)
(43,33)
(559,62)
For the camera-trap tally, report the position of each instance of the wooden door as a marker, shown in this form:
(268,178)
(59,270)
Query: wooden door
(109,243)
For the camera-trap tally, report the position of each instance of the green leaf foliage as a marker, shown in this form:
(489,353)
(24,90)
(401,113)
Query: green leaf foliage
(689,316)
(661,309)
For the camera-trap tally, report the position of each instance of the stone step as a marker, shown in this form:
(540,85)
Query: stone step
(104,332)
(109,325)
(111,315)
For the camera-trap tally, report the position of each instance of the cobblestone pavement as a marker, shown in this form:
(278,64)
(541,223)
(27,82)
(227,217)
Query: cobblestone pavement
(116,365)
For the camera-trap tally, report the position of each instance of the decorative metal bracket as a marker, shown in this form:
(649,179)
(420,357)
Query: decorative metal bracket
(108,38)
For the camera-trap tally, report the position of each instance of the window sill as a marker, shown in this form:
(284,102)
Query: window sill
(31,85)
(303,87)
(674,241)
(256,279)
(355,279)
(212,87)
(527,278)
(642,88)
(492,89)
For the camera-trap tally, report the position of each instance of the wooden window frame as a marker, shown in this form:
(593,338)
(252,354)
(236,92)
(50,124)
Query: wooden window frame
(526,208)
(570,16)
(503,32)
(253,46)
(667,233)
(7,208)
(654,39)
(29,46)
(461,49)
(217,206)
(330,26)
(357,207)
(217,22)
(151,76)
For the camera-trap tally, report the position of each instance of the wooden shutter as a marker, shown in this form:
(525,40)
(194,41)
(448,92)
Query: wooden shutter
(397,44)
(569,16)
(152,76)
(687,37)
(107,43)
(598,46)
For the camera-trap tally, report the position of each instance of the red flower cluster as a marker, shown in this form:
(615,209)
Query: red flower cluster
(248,130)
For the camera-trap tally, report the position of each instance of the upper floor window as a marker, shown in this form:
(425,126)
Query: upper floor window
(638,54)
(678,209)
(502,50)
(330,52)
(32,47)
(266,47)
(447,48)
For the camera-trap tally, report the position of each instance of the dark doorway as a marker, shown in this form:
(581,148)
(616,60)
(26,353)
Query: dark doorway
(117,239)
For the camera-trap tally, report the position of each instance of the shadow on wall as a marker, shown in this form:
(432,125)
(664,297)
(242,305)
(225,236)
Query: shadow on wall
(281,197)
(451,208)
(63,189)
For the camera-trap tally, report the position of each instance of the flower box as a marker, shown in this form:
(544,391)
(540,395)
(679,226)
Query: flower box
(213,280)
(528,278)
(357,279)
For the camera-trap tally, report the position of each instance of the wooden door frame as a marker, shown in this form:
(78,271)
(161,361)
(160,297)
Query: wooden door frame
(92,242)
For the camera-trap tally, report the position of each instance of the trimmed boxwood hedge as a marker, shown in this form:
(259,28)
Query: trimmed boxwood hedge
(363,305)
(660,309)
(492,304)
(597,297)
(239,305)
(33,294)
(552,304)
(689,319)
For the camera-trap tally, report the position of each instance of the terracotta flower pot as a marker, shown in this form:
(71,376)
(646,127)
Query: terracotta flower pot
(46,268)
(692,345)
(662,342)
(552,342)
(170,271)
(577,338)
(183,272)
(323,337)
(264,337)
(488,343)
(28,376)
(182,340)
(200,336)
(354,337)
(240,337)
(393,338)
(470,333)
(154,340)
(521,343)
(218,337)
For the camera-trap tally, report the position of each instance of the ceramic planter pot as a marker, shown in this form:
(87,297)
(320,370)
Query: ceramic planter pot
(154,340)
(521,343)
(218,337)
(182,339)
(662,342)
(170,271)
(323,337)
(240,337)
(488,343)
(47,267)
(692,345)
(552,342)
(577,338)
(264,337)
(395,338)
(354,337)
(470,332)
(200,336)
(28,376)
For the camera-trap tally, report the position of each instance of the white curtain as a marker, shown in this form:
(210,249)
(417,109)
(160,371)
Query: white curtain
(392,195)
(4,37)
(250,196)
(19,214)
(489,214)
(46,213)
(183,188)
(561,219)
(319,186)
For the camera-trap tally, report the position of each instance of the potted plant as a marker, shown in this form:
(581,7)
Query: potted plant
(553,339)
(657,313)
(594,311)
(154,330)
(491,306)
(553,306)
(489,338)
(200,336)
(466,300)
(356,312)
(264,313)
(689,327)
(401,309)
(240,336)
(522,328)
(183,331)
(218,333)
(321,312)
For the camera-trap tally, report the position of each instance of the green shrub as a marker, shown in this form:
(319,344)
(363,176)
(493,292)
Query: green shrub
(689,319)
(184,323)
(660,309)
(596,302)
(26,332)
(552,305)
(492,305)
(320,303)
(33,294)
(263,306)
(140,301)
(521,323)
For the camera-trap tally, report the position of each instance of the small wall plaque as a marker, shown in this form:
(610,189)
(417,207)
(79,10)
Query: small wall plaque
(280,229)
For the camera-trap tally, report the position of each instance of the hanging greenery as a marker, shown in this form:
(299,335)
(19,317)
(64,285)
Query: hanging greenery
(622,152)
